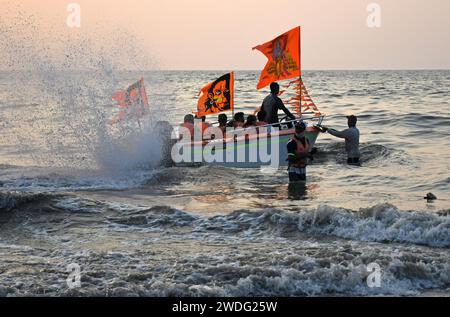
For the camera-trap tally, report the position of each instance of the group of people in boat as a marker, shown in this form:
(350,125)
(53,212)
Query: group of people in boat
(298,148)
(267,115)
(237,122)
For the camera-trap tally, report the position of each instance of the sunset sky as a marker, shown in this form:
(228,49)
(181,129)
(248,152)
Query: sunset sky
(204,34)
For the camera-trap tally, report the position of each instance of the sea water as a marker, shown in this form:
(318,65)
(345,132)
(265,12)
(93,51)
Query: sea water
(74,189)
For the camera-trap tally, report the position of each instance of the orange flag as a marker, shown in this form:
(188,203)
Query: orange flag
(284,58)
(217,96)
(131,101)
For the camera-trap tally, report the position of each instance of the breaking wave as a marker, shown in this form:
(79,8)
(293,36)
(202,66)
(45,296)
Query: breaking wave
(170,252)
(15,200)
(382,223)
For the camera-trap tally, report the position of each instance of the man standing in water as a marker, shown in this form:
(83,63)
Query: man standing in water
(298,149)
(272,103)
(351,136)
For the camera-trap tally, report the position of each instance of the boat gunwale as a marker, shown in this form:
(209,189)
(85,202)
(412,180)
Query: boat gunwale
(240,135)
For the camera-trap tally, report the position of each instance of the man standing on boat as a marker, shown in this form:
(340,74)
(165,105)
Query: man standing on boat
(298,149)
(272,103)
(351,136)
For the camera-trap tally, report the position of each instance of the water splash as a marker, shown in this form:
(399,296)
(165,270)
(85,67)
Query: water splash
(72,78)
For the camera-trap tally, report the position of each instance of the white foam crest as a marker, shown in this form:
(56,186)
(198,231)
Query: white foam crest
(382,223)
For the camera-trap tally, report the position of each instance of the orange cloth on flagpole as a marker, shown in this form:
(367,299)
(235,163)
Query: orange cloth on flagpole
(132,101)
(283,55)
(217,96)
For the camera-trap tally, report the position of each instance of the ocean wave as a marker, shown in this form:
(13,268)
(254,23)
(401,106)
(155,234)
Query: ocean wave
(272,252)
(232,270)
(14,200)
(60,183)
(159,217)
(303,269)
(306,276)
(382,223)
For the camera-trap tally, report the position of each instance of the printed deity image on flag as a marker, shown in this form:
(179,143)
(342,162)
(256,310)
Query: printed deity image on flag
(132,102)
(217,96)
(283,54)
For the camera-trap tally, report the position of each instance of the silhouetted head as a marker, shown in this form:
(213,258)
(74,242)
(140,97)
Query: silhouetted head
(189,118)
(262,116)
(275,88)
(239,117)
(223,119)
(251,120)
(300,128)
(352,120)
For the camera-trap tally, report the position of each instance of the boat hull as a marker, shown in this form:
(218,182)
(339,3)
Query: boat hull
(252,151)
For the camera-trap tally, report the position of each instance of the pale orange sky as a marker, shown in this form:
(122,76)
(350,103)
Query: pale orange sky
(205,34)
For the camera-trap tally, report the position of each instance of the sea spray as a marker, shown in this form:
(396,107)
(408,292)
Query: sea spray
(73,78)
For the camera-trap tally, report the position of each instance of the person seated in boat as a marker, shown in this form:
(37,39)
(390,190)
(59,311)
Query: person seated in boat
(203,125)
(251,121)
(272,103)
(189,124)
(217,132)
(223,120)
(351,136)
(238,121)
(298,149)
(250,126)
(261,118)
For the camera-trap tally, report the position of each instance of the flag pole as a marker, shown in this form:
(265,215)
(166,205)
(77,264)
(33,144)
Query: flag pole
(232,91)
(300,68)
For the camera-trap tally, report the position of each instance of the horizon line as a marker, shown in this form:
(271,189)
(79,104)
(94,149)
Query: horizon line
(243,70)
(311,69)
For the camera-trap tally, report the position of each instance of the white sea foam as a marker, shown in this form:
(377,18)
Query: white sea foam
(162,251)
(382,223)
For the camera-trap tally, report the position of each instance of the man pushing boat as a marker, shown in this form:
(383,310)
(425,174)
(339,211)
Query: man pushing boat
(351,136)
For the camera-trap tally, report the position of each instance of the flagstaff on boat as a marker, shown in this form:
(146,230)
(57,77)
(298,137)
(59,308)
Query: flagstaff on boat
(254,146)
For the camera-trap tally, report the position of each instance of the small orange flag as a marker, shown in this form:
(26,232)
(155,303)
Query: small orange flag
(217,96)
(131,101)
(284,58)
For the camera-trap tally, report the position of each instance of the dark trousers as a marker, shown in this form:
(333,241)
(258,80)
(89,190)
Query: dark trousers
(295,177)
(353,161)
